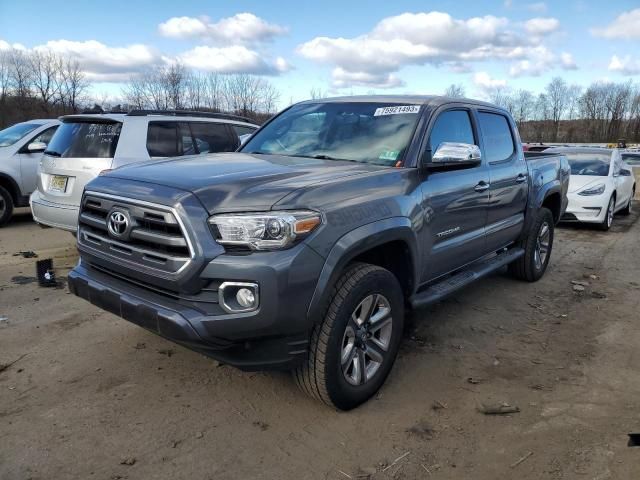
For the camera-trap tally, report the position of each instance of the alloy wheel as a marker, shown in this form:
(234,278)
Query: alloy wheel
(610,213)
(542,245)
(366,339)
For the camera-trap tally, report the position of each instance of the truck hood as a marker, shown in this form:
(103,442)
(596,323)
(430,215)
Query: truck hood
(228,182)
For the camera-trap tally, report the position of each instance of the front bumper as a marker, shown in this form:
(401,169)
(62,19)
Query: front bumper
(586,209)
(52,214)
(273,337)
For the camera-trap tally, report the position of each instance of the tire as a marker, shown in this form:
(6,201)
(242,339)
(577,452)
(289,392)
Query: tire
(344,384)
(6,206)
(627,210)
(608,217)
(537,247)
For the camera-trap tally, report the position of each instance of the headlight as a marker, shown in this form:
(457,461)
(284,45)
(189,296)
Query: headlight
(594,190)
(264,231)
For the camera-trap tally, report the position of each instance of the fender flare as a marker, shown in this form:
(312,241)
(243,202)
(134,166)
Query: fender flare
(354,243)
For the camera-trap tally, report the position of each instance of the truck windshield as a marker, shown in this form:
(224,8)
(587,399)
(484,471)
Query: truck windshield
(595,164)
(376,133)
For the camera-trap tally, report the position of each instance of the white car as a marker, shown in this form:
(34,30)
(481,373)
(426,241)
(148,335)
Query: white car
(601,185)
(21,147)
(88,144)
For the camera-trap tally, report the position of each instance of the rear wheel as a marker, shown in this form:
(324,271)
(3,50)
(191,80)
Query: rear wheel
(6,206)
(608,218)
(352,351)
(537,247)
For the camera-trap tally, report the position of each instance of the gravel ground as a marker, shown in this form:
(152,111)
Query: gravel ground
(91,396)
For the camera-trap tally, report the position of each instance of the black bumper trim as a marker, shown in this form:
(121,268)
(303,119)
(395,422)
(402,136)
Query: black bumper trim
(266,353)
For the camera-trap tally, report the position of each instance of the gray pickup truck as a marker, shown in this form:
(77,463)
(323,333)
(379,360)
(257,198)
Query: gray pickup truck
(302,250)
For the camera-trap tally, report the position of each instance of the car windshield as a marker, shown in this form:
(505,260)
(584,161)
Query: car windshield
(595,164)
(11,135)
(85,140)
(376,133)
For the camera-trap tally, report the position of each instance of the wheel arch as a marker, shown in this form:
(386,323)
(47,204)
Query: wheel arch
(10,185)
(389,243)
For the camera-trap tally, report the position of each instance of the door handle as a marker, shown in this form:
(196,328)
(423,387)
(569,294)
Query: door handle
(481,186)
(521,178)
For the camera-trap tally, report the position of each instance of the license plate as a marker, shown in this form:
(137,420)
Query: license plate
(58,183)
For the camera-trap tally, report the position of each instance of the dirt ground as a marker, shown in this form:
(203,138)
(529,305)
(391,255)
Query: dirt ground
(94,397)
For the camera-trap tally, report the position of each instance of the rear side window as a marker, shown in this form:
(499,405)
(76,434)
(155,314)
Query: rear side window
(213,137)
(242,130)
(452,126)
(496,133)
(85,140)
(162,139)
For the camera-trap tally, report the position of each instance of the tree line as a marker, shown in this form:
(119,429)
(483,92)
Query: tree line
(563,113)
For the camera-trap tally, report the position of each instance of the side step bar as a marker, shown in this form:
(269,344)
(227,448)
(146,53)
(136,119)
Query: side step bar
(473,272)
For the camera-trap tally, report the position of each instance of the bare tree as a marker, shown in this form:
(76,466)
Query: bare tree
(74,85)
(317,94)
(557,94)
(455,91)
(45,74)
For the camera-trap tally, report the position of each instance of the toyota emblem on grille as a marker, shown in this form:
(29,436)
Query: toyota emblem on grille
(118,223)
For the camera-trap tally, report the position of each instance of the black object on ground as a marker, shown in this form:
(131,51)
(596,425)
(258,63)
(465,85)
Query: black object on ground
(634,440)
(44,272)
(26,254)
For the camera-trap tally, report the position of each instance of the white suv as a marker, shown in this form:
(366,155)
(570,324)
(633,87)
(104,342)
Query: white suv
(88,144)
(21,147)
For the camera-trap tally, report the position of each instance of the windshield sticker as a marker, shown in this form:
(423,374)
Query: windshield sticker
(389,155)
(396,110)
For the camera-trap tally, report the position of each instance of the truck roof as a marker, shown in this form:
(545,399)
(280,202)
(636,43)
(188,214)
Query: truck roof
(430,100)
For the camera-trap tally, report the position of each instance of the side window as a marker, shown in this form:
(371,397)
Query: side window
(162,139)
(497,136)
(213,137)
(451,126)
(45,137)
(242,130)
(188,147)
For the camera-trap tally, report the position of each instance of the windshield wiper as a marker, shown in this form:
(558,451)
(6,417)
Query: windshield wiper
(52,153)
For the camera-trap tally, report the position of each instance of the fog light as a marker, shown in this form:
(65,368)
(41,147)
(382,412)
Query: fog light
(245,297)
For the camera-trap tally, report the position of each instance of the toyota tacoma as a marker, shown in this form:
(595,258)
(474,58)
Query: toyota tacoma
(303,250)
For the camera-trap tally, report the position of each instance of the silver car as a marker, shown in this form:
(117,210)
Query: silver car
(88,144)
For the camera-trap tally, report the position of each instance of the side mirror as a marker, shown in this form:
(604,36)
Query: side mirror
(451,154)
(36,147)
(625,173)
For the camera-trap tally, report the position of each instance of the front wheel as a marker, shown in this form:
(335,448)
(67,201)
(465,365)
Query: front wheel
(353,349)
(608,218)
(537,247)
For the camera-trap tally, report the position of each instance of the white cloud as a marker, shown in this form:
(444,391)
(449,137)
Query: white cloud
(626,26)
(343,78)
(541,26)
(625,65)
(424,38)
(102,62)
(4,45)
(232,59)
(537,7)
(567,62)
(484,81)
(242,28)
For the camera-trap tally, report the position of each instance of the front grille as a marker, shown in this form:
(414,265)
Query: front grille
(154,238)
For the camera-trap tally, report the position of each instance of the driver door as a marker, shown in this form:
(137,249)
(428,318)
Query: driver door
(455,201)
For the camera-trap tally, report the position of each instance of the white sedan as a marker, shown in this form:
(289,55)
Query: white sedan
(601,185)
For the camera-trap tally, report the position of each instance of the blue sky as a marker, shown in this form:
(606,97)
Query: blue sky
(341,47)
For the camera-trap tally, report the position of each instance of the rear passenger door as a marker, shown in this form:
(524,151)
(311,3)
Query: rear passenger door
(508,176)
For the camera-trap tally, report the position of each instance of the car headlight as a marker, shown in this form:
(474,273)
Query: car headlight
(593,190)
(264,231)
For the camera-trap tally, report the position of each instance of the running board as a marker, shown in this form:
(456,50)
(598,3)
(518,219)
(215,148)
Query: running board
(473,272)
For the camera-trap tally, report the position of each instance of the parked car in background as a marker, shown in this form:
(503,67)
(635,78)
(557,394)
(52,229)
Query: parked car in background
(21,147)
(301,250)
(601,185)
(535,147)
(89,144)
(632,158)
